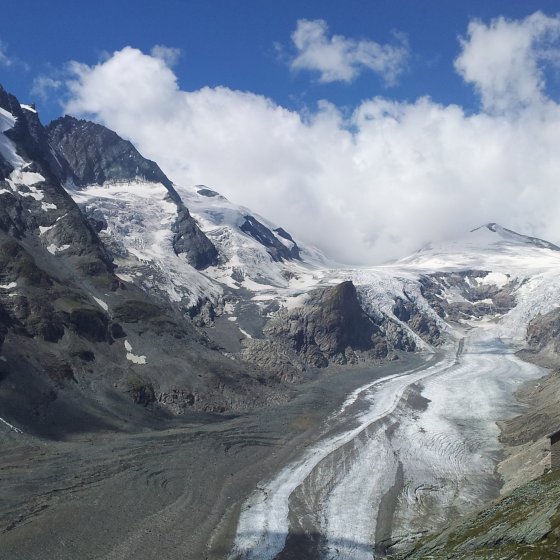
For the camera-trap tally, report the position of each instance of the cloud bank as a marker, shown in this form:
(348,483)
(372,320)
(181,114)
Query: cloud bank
(369,187)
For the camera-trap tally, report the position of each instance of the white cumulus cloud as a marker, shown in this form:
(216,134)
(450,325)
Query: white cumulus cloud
(374,185)
(339,58)
(504,60)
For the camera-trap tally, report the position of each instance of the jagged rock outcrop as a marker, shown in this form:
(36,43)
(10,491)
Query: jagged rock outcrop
(424,326)
(330,326)
(189,240)
(461,295)
(96,155)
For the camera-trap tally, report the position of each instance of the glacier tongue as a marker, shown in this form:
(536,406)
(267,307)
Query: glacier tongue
(411,451)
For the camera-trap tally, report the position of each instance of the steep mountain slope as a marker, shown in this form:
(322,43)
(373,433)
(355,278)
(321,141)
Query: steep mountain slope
(254,255)
(522,526)
(72,330)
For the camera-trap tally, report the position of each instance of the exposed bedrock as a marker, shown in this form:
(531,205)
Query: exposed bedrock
(331,326)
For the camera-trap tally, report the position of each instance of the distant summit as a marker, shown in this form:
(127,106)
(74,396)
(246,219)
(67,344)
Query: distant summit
(487,247)
(97,155)
(513,236)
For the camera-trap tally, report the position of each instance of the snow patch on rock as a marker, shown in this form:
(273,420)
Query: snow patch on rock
(28,108)
(54,249)
(140,360)
(101,304)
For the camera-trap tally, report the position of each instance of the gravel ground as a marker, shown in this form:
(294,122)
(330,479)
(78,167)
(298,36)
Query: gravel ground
(167,493)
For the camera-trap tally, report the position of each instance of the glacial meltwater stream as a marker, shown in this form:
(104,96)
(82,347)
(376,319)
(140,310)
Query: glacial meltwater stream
(402,455)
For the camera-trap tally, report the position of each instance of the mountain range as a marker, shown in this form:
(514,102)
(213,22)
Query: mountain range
(133,305)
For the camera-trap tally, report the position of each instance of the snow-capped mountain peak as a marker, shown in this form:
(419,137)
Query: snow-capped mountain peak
(499,234)
(488,247)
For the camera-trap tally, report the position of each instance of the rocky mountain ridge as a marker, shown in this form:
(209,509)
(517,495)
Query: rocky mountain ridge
(94,154)
(71,328)
(263,299)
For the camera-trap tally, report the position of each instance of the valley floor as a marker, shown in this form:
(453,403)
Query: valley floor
(359,461)
(168,494)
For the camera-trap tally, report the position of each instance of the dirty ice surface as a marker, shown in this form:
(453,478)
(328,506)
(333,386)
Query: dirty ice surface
(406,452)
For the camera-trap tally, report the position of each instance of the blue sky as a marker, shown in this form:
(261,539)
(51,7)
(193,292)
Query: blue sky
(234,43)
(367,128)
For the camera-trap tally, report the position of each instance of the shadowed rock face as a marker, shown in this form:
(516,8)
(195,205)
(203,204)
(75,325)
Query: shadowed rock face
(276,249)
(95,155)
(190,241)
(330,326)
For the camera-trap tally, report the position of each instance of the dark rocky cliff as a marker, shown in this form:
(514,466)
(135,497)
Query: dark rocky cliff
(276,249)
(97,155)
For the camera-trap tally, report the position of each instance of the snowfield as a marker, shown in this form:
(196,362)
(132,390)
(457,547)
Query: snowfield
(139,219)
